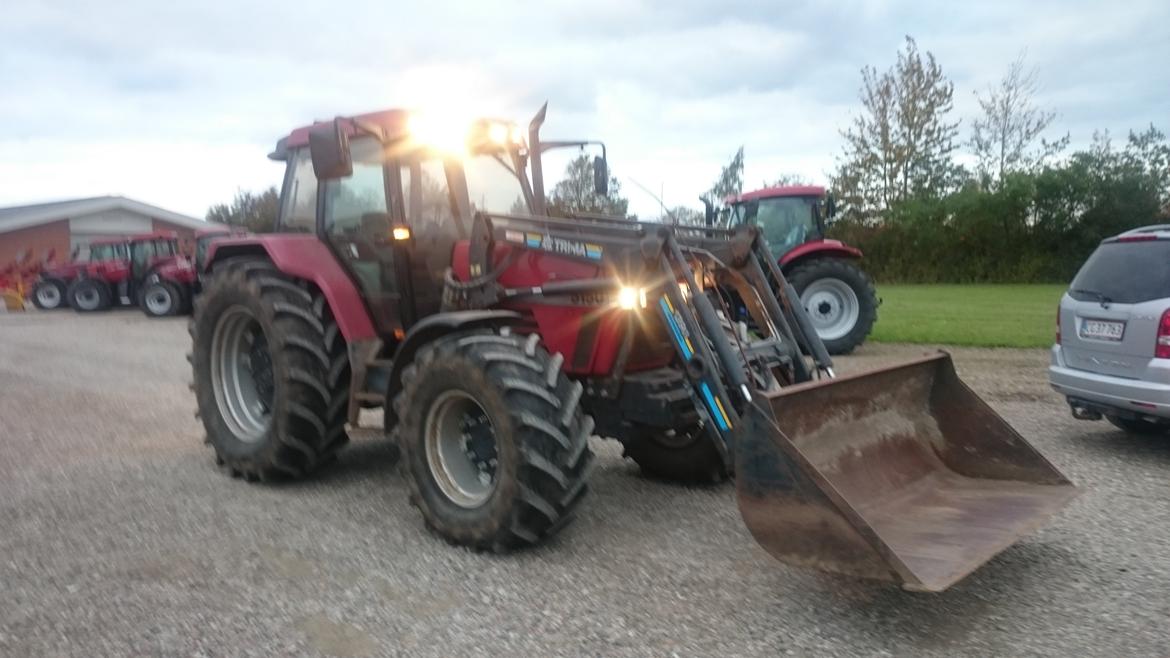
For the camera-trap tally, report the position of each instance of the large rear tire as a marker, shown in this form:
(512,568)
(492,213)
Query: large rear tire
(49,294)
(840,300)
(271,373)
(89,295)
(494,443)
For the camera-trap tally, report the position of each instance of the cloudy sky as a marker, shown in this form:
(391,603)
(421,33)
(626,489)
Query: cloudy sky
(177,103)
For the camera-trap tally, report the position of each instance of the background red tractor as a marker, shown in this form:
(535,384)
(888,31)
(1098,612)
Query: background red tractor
(49,290)
(837,294)
(497,343)
(144,270)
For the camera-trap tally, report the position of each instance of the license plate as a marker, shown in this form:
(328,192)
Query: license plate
(1102,329)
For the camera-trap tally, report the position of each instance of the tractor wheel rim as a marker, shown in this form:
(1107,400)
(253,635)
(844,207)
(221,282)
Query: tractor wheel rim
(832,306)
(461,449)
(158,300)
(87,299)
(49,296)
(241,374)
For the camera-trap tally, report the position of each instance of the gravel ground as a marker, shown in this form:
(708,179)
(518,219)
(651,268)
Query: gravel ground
(119,536)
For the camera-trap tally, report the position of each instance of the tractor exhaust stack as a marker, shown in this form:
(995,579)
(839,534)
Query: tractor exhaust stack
(901,474)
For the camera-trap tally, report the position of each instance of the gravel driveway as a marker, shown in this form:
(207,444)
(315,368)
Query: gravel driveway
(119,536)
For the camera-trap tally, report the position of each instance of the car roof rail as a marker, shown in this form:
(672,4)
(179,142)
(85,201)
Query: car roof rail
(1153,228)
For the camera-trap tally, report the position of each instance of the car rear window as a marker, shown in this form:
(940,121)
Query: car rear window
(1125,272)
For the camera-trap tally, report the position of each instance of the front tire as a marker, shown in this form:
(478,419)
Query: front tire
(493,440)
(89,295)
(160,299)
(49,294)
(840,300)
(271,373)
(685,456)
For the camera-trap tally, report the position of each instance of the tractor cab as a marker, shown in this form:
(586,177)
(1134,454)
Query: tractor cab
(394,182)
(789,216)
(147,251)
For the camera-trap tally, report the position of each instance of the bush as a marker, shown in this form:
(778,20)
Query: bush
(1032,227)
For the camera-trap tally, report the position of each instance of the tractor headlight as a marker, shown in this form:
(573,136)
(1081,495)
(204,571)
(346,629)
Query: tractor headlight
(631,298)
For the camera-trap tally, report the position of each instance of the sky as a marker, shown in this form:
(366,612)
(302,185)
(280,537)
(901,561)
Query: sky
(178,103)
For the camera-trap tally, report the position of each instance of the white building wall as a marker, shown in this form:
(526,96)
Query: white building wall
(112,223)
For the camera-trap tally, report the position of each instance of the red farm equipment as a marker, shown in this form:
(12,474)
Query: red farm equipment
(498,343)
(837,294)
(143,270)
(52,284)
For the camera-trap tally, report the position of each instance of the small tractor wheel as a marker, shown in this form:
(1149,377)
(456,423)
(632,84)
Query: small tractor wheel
(686,456)
(495,447)
(840,299)
(89,295)
(49,294)
(271,372)
(160,299)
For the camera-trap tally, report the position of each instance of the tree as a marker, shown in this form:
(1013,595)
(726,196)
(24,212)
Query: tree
(730,181)
(1003,138)
(575,193)
(254,211)
(902,142)
(787,180)
(682,215)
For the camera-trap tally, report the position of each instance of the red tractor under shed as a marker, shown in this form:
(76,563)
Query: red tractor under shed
(144,270)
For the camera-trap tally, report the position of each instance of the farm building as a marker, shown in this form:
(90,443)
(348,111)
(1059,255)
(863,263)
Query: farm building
(55,229)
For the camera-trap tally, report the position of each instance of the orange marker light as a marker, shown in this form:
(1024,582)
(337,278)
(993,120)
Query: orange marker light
(401,233)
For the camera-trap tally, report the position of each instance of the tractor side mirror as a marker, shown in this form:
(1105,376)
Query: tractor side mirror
(329,149)
(600,176)
(830,206)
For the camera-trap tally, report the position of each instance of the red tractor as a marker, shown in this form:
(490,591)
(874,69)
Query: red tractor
(49,291)
(144,270)
(498,343)
(838,295)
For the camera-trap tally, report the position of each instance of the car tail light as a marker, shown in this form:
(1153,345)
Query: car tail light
(1058,324)
(1162,344)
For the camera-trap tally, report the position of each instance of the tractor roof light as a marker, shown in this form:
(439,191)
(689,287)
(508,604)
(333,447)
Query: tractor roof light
(433,131)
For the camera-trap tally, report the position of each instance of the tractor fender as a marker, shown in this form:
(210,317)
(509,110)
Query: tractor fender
(819,249)
(433,328)
(178,270)
(306,257)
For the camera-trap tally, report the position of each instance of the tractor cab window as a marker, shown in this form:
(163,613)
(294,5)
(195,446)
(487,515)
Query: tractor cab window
(358,225)
(106,252)
(298,209)
(492,185)
(786,221)
(427,197)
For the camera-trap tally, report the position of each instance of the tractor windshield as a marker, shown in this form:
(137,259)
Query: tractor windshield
(493,185)
(107,251)
(786,221)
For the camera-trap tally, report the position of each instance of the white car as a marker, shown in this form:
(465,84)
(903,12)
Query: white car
(1112,353)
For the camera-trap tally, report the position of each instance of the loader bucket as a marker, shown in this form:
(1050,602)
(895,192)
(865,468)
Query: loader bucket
(901,474)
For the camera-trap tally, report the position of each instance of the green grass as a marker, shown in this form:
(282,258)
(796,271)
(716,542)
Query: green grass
(977,315)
